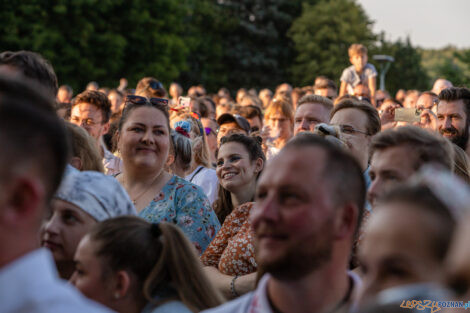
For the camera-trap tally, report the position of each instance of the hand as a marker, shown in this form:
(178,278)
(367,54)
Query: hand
(387,113)
(428,120)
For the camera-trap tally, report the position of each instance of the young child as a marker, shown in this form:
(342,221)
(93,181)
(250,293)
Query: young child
(360,72)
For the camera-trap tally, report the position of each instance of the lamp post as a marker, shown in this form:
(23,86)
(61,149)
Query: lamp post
(384,61)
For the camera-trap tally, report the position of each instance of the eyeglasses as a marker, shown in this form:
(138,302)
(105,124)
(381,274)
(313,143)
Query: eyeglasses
(159,102)
(84,122)
(209,130)
(349,130)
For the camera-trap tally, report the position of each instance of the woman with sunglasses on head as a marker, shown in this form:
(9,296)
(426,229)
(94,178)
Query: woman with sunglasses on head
(200,173)
(143,138)
(168,276)
(229,259)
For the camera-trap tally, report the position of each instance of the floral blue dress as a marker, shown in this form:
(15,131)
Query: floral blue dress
(185,205)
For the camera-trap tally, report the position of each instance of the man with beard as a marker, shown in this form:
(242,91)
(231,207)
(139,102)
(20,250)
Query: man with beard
(309,201)
(453,115)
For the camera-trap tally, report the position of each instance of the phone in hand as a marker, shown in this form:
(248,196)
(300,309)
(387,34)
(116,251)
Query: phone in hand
(409,115)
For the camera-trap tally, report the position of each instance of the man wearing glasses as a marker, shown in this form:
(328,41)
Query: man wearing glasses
(91,110)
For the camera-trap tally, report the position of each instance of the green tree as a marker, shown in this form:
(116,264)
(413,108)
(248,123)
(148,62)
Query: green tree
(406,72)
(322,36)
(100,40)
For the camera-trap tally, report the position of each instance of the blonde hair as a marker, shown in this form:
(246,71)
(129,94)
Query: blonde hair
(199,144)
(84,148)
(357,49)
(461,163)
(282,106)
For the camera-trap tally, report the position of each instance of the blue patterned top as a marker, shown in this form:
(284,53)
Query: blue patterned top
(185,205)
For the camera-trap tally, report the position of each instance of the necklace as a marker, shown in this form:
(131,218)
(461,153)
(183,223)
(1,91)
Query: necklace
(134,200)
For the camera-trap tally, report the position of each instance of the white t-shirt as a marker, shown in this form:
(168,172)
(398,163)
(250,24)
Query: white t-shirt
(206,178)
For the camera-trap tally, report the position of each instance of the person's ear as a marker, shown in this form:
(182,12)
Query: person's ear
(76,162)
(105,128)
(122,285)
(170,159)
(23,199)
(346,221)
(259,165)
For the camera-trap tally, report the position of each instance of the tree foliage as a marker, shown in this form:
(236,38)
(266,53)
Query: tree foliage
(322,36)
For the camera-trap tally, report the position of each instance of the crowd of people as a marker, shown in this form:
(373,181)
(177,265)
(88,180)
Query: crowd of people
(310,199)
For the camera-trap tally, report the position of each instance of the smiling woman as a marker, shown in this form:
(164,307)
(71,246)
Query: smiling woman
(143,139)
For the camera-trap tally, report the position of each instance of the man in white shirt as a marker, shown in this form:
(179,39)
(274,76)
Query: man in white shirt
(32,163)
(309,201)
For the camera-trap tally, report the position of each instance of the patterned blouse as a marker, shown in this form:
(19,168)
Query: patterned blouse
(232,250)
(185,205)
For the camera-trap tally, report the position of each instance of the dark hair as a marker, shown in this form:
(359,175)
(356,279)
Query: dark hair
(98,99)
(31,133)
(427,147)
(250,111)
(167,261)
(341,171)
(223,205)
(151,88)
(422,198)
(457,93)
(129,107)
(33,66)
(373,119)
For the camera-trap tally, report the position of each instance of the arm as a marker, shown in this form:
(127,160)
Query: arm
(372,88)
(342,89)
(243,284)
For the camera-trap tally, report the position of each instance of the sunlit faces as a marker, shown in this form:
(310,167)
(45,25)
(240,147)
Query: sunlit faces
(308,115)
(281,125)
(396,248)
(64,229)
(235,170)
(452,122)
(357,140)
(228,129)
(88,276)
(144,140)
(329,93)
(293,217)
(389,167)
(359,61)
(90,117)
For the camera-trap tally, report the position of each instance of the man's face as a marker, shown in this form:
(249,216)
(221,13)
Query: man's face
(63,96)
(293,215)
(354,123)
(453,122)
(359,61)
(388,167)
(90,118)
(255,123)
(116,102)
(410,100)
(425,102)
(308,115)
(228,129)
(362,91)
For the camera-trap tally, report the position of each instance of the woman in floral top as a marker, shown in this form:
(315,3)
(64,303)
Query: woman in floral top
(144,142)
(240,160)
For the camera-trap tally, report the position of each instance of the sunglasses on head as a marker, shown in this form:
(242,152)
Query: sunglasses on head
(142,100)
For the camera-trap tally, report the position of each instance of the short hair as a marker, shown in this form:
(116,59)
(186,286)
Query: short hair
(422,198)
(84,147)
(324,83)
(98,99)
(341,171)
(67,88)
(327,103)
(250,111)
(33,66)
(254,99)
(31,132)
(373,119)
(151,88)
(457,93)
(281,106)
(428,147)
(357,49)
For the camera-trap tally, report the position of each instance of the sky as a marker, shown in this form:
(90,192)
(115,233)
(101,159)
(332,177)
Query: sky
(431,24)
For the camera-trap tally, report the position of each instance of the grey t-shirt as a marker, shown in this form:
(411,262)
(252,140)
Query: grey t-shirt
(352,78)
